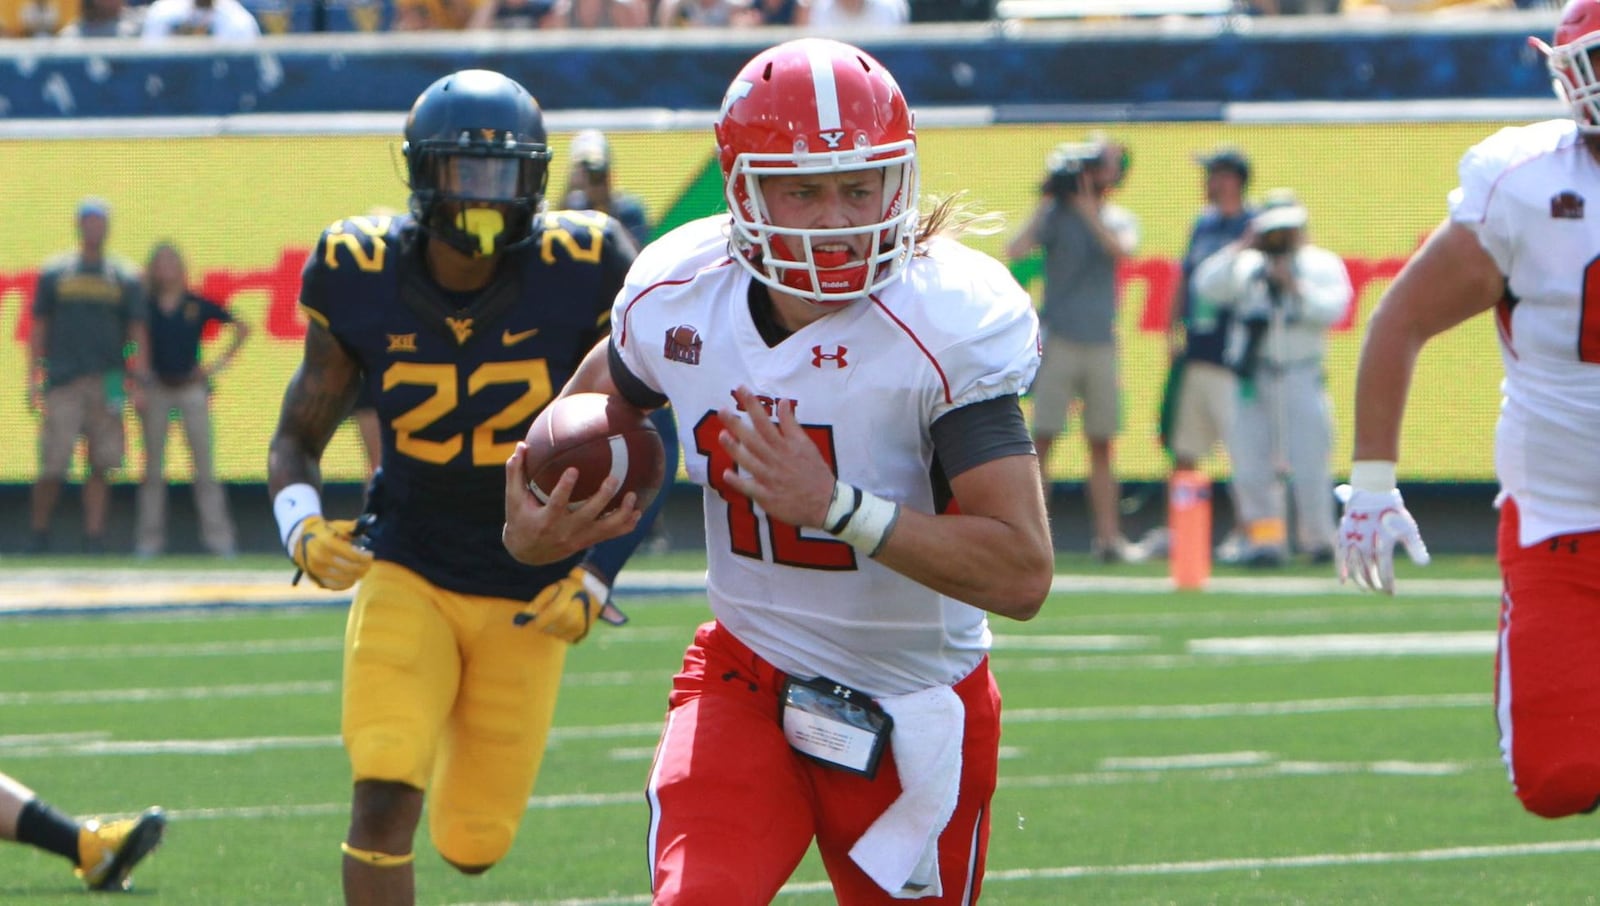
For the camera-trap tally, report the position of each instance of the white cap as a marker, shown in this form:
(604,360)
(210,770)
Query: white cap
(1280,211)
(591,150)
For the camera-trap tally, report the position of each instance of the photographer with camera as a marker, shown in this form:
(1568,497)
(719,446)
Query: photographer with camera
(1284,294)
(1083,236)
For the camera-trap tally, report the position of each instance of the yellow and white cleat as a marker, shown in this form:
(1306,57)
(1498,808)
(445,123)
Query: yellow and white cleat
(108,851)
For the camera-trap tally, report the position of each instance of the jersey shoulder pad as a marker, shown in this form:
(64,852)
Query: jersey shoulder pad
(681,252)
(363,243)
(581,236)
(972,317)
(1485,167)
(348,252)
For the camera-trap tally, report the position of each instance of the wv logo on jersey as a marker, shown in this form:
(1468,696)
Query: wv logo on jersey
(836,356)
(461,327)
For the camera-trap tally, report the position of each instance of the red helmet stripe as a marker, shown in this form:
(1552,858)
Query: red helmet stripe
(827,91)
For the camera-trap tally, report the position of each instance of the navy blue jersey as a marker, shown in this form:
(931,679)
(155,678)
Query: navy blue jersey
(458,377)
(175,336)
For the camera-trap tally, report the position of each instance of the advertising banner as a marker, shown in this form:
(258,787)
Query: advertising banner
(245,210)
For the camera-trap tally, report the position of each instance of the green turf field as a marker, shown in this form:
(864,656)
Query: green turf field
(1243,747)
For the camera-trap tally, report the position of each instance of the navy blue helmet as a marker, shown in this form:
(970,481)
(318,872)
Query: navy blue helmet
(478,158)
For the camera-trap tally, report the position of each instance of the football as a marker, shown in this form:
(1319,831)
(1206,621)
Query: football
(598,436)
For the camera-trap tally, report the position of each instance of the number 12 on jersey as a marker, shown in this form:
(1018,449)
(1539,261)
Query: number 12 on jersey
(789,547)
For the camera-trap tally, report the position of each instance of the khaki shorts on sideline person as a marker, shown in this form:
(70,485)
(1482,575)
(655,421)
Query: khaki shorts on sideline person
(1208,400)
(79,408)
(1076,371)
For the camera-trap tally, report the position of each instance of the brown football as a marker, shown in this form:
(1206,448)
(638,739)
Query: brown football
(599,436)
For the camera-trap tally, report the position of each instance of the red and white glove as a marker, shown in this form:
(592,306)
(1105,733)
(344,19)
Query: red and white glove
(1375,519)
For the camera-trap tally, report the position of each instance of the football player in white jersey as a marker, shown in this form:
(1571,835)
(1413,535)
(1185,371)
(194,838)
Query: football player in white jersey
(843,376)
(1517,240)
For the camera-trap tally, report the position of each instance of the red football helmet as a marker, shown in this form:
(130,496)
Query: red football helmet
(1570,66)
(817,106)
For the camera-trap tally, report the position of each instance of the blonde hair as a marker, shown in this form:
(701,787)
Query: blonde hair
(955,216)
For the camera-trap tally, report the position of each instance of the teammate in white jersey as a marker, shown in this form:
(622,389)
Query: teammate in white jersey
(842,377)
(1518,240)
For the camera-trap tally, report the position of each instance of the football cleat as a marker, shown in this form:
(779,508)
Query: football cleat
(108,851)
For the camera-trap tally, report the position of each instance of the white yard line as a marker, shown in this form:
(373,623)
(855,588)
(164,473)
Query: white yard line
(38,590)
(1379,644)
(1248,709)
(53,746)
(180,693)
(1197,866)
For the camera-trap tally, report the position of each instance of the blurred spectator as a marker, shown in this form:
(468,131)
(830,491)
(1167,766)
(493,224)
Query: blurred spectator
(88,312)
(432,15)
(1083,236)
(514,15)
(36,18)
(1384,7)
(610,13)
(103,19)
(778,12)
(1284,294)
(704,13)
(846,16)
(1198,407)
(225,20)
(589,185)
(181,383)
(1292,7)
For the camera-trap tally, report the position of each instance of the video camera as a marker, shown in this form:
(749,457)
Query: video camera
(1067,163)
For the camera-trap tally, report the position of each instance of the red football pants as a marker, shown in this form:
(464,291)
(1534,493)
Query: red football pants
(733,808)
(1547,672)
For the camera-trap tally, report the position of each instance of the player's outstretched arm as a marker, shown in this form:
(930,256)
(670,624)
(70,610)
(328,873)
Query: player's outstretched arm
(317,399)
(1450,279)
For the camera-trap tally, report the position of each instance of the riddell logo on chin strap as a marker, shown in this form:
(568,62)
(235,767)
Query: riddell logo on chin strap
(836,356)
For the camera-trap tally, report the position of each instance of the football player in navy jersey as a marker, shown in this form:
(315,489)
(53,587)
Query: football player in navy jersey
(464,319)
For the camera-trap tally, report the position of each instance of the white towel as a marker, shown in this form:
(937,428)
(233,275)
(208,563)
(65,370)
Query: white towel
(900,851)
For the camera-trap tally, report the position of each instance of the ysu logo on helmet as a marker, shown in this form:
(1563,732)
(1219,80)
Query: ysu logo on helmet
(832,137)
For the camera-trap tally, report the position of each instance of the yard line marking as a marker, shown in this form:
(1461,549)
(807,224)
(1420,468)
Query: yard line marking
(180,693)
(1374,644)
(33,739)
(1311,860)
(1244,772)
(1195,760)
(244,745)
(1073,642)
(238,745)
(634,753)
(1249,709)
(1206,866)
(172,649)
(320,809)
(1276,586)
(43,591)
(1288,615)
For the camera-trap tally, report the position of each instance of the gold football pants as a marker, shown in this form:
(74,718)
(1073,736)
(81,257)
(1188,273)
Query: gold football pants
(443,692)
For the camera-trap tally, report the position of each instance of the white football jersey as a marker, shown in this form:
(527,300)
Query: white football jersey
(1524,192)
(868,381)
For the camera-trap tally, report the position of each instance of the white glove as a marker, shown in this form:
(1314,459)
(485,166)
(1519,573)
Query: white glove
(1373,521)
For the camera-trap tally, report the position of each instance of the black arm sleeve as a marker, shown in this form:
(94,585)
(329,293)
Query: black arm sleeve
(975,434)
(635,391)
